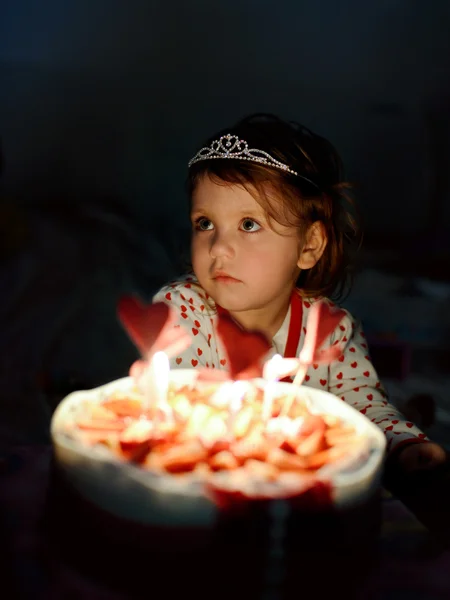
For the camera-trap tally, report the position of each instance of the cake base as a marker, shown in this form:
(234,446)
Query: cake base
(243,556)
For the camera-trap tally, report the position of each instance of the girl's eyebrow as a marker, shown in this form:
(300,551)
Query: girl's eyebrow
(243,212)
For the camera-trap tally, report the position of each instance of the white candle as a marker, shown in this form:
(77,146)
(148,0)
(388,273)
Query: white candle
(270,374)
(156,383)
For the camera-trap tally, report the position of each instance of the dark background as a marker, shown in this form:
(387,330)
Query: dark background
(103,102)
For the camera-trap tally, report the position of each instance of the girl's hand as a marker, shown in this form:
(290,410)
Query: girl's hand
(421,457)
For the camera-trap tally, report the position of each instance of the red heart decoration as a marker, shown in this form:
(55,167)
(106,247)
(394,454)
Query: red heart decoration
(322,321)
(152,327)
(245,349)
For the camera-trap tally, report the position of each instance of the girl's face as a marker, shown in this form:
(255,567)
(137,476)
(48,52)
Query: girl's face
(243,263)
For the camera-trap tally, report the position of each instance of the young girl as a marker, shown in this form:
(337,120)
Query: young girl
(273,231)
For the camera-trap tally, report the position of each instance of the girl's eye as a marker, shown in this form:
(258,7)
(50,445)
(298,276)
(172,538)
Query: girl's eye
(250,225)
(203,224)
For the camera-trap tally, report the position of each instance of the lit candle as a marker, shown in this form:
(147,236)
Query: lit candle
(156,384)
(271,372)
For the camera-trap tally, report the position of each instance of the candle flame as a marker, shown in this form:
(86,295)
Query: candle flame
(271,369)
(161,363)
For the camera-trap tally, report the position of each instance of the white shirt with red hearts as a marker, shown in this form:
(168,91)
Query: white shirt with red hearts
(352,378)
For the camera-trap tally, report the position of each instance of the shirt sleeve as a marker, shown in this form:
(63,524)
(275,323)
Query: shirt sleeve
(354,379)
(197,318)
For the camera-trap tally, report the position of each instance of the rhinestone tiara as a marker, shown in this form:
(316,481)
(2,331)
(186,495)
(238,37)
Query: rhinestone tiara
(230,146)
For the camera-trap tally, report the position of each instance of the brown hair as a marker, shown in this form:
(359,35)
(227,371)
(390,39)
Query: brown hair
(317,193)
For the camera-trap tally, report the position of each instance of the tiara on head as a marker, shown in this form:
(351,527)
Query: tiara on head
(230,146)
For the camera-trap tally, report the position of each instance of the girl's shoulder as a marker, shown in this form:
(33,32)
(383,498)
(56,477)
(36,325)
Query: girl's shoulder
(186,293)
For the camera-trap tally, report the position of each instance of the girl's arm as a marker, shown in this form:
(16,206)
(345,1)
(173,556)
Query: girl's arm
(354,379)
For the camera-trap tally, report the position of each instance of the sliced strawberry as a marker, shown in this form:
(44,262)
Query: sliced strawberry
(101,424)
(286,461)
(328,456)
(135,440)
(311,424)
(101,412)
(289,445)
(223,461)
(183,458)
(315,442)
(124,407)
(219,446)
(253,446)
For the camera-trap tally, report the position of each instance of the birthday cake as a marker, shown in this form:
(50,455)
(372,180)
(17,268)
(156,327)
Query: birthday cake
(179,447)
(212,447)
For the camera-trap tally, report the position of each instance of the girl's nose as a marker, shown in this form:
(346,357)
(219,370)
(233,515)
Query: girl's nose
(222,245)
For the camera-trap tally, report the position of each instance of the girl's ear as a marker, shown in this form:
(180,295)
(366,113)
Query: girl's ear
(314,246)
